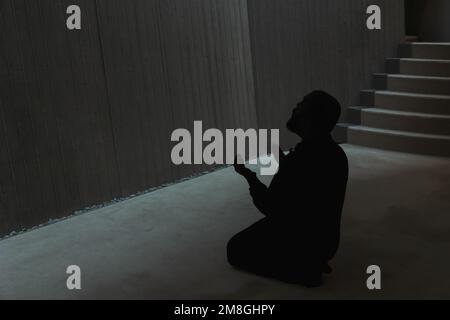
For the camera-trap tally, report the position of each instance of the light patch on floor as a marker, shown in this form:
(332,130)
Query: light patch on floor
(170,244)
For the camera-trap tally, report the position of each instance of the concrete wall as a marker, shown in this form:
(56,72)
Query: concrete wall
(299,46)
(86,116)
(428,19)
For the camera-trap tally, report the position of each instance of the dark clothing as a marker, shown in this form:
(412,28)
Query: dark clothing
(303,206)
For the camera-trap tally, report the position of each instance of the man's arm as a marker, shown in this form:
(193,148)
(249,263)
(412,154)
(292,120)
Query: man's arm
(258,190)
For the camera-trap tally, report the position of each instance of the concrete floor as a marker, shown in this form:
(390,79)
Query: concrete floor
(170,244)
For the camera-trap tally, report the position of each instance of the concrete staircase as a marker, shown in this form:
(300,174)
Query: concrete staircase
(409,108)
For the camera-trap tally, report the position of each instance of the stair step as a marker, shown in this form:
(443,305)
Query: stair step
(340,132)
(425,50)
(412,102)
(416,84)
(405,121)
(409,110)
(429,144)
(367,97)
(411,38)
(354,114)
(420,67)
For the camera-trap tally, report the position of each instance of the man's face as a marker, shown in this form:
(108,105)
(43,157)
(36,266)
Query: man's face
(297,123)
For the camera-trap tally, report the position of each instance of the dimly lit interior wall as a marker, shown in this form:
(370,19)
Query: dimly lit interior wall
(299,46)
(86,116)
(428,19)
(413,12)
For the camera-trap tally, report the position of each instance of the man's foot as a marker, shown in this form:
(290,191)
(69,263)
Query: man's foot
(312,281)
(326,269)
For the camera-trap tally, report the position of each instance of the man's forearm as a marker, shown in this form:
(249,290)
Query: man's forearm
(252,179)
(259,193)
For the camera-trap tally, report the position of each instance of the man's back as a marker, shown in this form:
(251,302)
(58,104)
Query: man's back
(309,190)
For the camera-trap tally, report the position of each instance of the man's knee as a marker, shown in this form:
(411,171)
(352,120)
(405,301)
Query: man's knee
(244,248)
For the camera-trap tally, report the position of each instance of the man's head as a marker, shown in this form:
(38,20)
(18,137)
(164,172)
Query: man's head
(316,115)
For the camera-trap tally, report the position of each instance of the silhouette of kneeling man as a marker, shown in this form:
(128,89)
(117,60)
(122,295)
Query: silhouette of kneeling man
(303,204)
